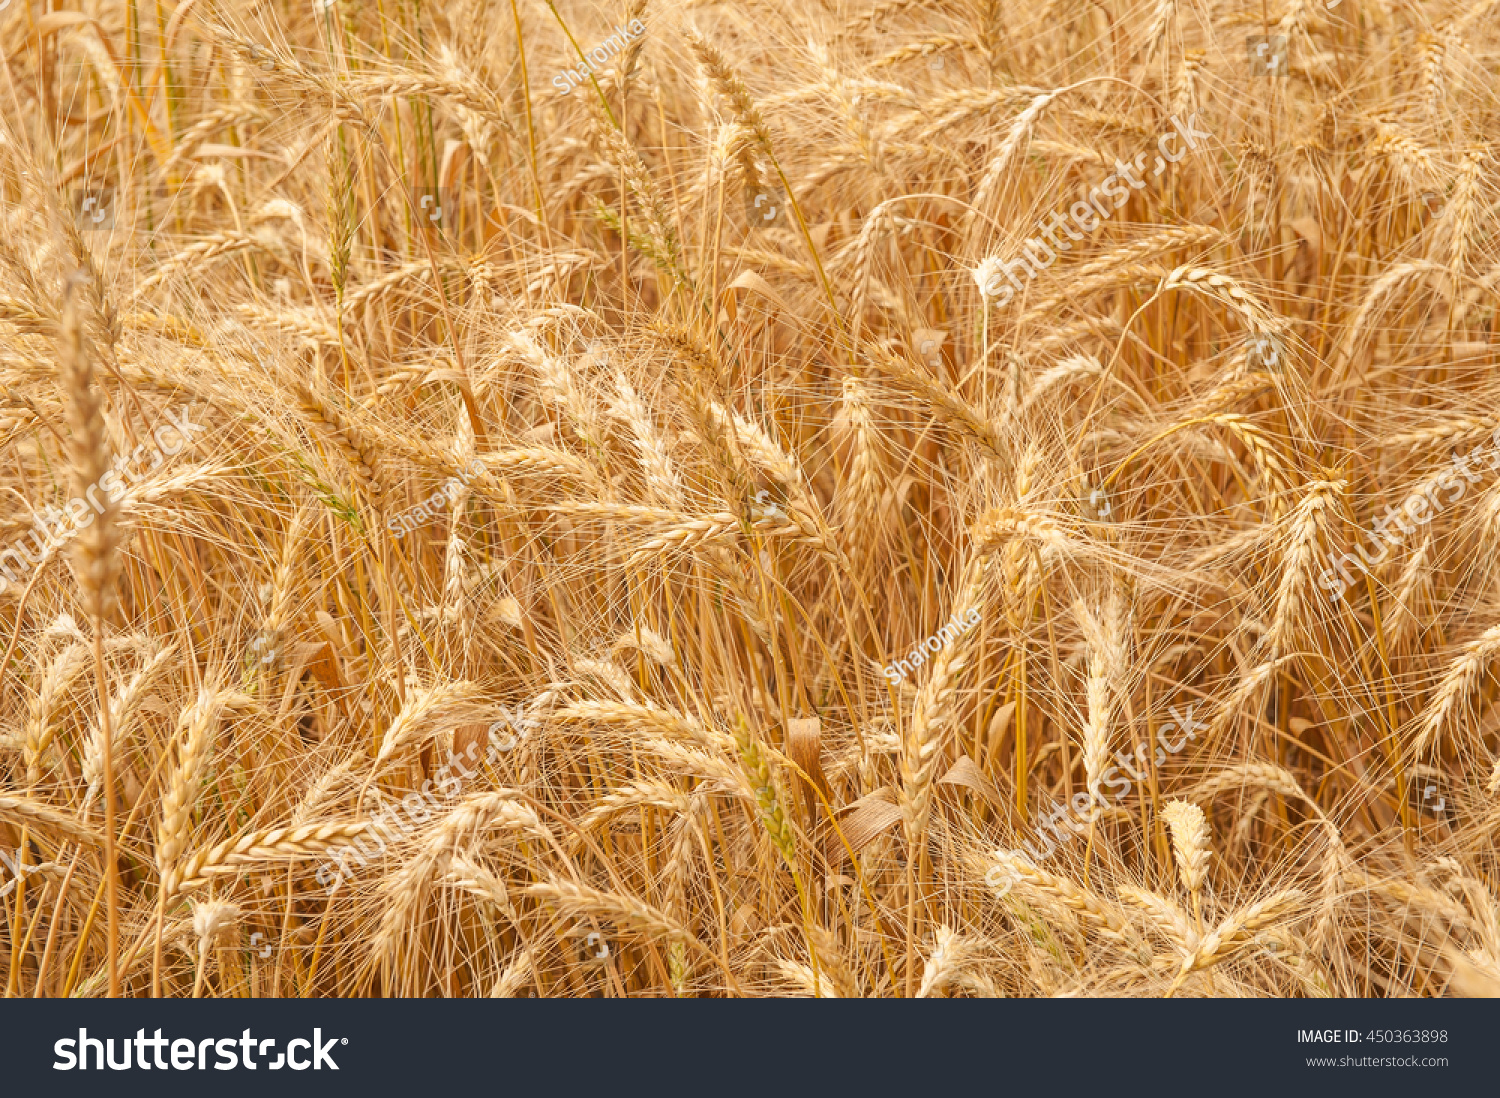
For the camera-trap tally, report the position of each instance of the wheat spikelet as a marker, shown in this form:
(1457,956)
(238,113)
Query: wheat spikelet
(656,462)
(648,643)
(1092,911)
(1294,23)
(953,108)
(27,319)
(1382,288)
(274,625)
(767,798)
(683,759)
(621,153)
(408,276)
(1414,894)
(321,791)
(1237,931)
(1162,20)
(1072,369)
(406,890)
(270,845)
(642,794)
(997,528)
(1458,431)
(1268,775)
(123,708)
(1101,277)
(688,535)
(926,47)
(1249,683)
(1277,780)
(1459,681)
(1222,288)
(195,135)
(863,488)
(1309,525)
(97,544)
(878,222)
(513,979)
(627,911)
(934,713)
(33,813)
(806,980)
(219,246)
(1464,206)
(955,411)
(1019,131)
(337,429)
(949,953)
(1166,918)
(476,879)
(759,447)
(1190,846)
(195,727)
(1106,679)
(55,680)
(1414,161)
(453,86)
(679,864)
(429,711)
(212,920)
(648,720)
(1124,261)
(1434,50)
(302,325)
(729,85)
(1400,618)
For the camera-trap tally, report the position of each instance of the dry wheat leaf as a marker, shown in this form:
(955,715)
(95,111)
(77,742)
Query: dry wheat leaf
(964,773)
(862,822)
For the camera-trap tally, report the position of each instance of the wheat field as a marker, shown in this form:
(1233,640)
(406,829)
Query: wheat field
(672,498)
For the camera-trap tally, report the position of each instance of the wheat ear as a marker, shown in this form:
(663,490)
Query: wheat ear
(935,710)
(428,712)
(55,680)
(96,555)
(34,813)
(1461,679)
(767,799)
(1236,932)
(273,844)
(1190,846)
(1083,904)
(195,727)
(122,711)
